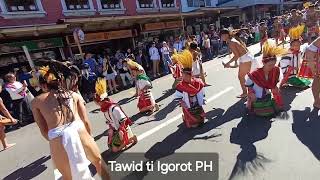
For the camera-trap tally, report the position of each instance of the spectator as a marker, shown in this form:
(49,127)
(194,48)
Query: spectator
(165,50)
(110,75)
(178,45)
(155,58)
(124,73)
(207,47)
(88,80)
(129,54)
(24,75)
(119,55)
(91,62)
(20,95)
(5,120)
(99,65)
(142,60)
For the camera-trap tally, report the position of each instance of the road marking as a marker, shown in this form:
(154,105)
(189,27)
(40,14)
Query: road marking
(177,117)
(58,175)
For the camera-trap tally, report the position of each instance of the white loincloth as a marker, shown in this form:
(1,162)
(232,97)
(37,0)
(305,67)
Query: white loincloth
(73,146)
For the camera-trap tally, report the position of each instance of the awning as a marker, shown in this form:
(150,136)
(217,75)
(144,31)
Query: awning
(115,18)
(32,30)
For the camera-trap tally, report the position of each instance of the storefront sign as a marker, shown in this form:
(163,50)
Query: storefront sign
(118,34)
(103,36)
(93,37)
(154,26)
(174,24)
(31,45)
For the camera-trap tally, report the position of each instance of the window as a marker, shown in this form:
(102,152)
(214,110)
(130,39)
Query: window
(78,7)
(168,4)
(111,4)
(77,4)
(146,4)
(21,9)
(18,5)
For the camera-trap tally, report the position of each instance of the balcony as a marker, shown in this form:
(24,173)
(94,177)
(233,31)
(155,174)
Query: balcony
(20,9)
(191,5)
(106,7)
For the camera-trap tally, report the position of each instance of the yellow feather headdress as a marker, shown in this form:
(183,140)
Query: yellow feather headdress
(101,89)
(44,72)
(271,51)
(185,58)
(296,32)
(134,65)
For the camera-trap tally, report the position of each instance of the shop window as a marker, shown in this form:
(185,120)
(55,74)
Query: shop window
(21,9)
(168,3)
(146,3)
(77,7)
(111,4)
(18,5)
(111,7)
(77,4)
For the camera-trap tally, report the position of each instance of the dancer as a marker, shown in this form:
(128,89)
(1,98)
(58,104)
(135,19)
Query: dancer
(176,70)
(5,120)
(312,17)
(241,53)
(264,80)
(62,119)
(290,63)
(146,102)
(312,63)
(190,92)
(119,132)
(263,34)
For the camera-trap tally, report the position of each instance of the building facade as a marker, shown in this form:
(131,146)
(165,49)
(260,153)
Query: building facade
(45,27)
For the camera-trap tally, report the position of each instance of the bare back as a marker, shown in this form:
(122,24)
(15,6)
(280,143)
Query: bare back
(48,107)
(237,48)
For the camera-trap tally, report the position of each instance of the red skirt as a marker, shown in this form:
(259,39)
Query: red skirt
(145,102)
(305,71)
(193,117)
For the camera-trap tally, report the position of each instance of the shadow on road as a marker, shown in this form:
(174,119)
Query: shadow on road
(289,94)
(306,125)
(165,95)
(126,100)
(247,132)
(30,171)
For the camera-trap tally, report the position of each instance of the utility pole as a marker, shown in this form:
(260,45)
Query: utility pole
(181,16)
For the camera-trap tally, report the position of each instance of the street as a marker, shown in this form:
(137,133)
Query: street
(286,148)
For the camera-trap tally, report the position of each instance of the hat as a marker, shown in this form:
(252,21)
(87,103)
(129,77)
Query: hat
(164,42)
(271,51)
(184,58)
(296,32)
(101,90)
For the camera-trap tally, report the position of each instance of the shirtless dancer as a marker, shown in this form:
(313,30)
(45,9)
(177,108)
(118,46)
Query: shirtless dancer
(312,17)
(62,119)
(241,53)
(312,58)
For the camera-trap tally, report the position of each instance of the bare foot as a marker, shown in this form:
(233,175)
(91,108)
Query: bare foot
(9,146)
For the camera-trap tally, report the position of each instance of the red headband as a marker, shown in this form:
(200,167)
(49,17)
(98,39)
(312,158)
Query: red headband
(268,59)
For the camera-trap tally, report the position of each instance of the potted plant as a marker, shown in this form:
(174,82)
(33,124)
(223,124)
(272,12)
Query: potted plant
(32,7)
(111,6)
(78,6)
(106,6)
(85,6)
(117,5)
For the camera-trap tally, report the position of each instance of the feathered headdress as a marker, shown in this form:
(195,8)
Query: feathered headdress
(184,58)
(271,51)
(296,32)
(134,65)
(101,89)
(46,74)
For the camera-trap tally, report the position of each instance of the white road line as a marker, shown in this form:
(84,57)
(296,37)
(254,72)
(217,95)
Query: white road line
(57,174)
(177,117)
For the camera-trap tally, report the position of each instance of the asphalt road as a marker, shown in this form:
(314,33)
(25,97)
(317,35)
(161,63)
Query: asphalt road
(249,149)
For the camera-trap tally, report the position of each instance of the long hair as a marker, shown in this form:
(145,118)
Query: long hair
(234,34)
(54,75)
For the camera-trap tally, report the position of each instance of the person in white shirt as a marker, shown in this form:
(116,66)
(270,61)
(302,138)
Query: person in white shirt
(155,58)
(207,47)
(165,50)
(19,96)
(178,45)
